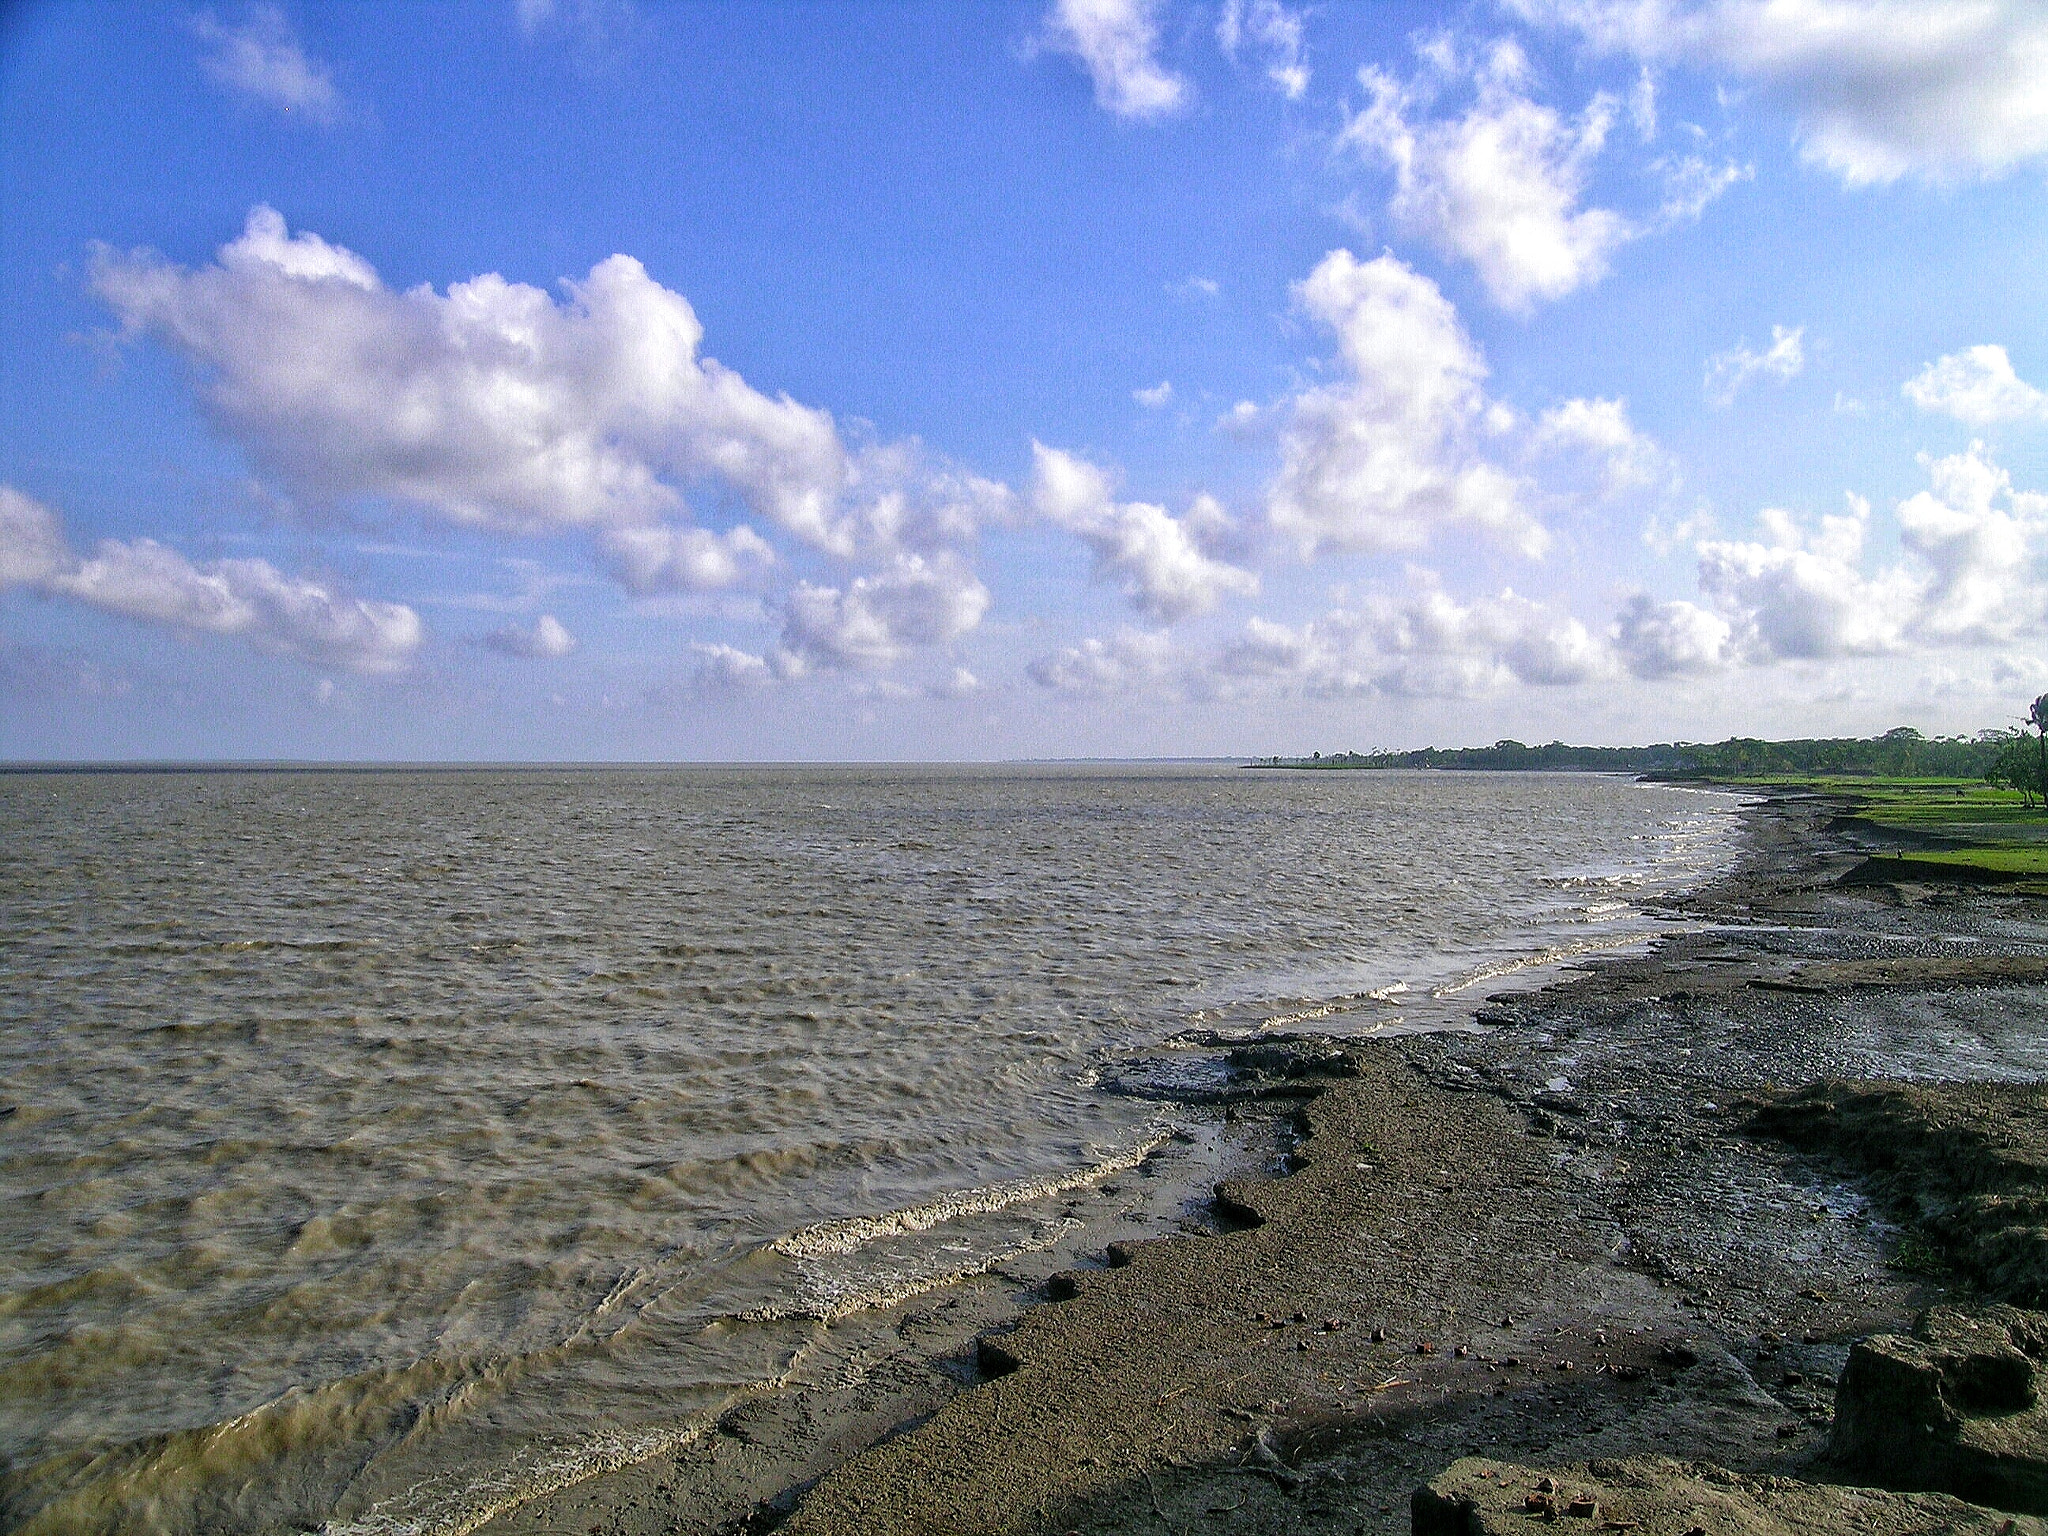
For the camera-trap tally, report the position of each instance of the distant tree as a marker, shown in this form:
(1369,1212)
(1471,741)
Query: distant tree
(2016,766)
(2037,717)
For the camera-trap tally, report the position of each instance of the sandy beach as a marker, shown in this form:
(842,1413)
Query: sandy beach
(1575,1234)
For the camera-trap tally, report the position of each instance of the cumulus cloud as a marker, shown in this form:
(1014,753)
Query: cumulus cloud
(1982,580)
(878,619)
(1668,639)
(1940,89)
(498,406)
(1977,386)
(1274,33)
(1970,573)
(1386,458)
(1728,371)
(263,60)
(1801,593)
(245,599)
(1600,431)
(725,668)
(1501,186)
(1127,662)
(660,557)
(546,639)
(492,405)
(1117,42)
(1419,642)
(1156,559)
(1155,398)
(1422,643)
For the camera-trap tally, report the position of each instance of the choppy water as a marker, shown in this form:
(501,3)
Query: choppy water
(378,1148)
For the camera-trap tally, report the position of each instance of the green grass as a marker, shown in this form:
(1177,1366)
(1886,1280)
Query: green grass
(1986,832)
(1915,1255)
(2027,859)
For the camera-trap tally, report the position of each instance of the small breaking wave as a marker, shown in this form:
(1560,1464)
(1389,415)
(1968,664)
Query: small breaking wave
(1555,955)
(849,1234)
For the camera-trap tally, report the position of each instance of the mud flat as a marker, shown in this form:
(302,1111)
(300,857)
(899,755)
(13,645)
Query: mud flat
(1638,1221)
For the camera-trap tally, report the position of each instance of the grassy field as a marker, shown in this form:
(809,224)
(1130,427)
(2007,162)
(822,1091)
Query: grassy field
(1962,828)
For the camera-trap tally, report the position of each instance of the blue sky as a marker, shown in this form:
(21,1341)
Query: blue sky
(601,380)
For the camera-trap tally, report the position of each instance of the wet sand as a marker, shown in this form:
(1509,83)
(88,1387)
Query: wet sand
(1565,1237)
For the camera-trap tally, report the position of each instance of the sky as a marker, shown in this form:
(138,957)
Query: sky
(608,380)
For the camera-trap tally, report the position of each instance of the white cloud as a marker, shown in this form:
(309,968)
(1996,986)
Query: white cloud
(1601,431)
(1155,398)
(249,600)
(1500,186)
(499,406)
(957,684)
(1157,559)
(1728,371)
(725,668)
(1941,89)
(32,545)
(1423,643)
(1642,104)
(1983,583)
(1675,638)
(1802,594)
(1188,287)
(1970,575)
(1385,459)
(1275,32)
(262,59)
(659,557)
(1978,387)
(1129,661)
(1116,42)
(493,405)
(1691,182)
(879,619)
(546,639)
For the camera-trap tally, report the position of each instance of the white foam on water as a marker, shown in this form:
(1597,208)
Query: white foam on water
(849,1234)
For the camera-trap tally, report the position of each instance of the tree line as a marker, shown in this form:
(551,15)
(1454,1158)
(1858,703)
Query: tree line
(2014,757)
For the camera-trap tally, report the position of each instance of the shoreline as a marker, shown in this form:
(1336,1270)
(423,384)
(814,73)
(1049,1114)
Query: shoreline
(1570,1191)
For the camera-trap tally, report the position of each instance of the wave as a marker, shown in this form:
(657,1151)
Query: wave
(1554,955)
(849,1234)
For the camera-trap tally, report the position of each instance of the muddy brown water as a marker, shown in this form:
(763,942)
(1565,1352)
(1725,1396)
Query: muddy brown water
(381,1149)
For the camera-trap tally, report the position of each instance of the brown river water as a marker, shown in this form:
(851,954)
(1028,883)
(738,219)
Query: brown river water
(380,1148)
